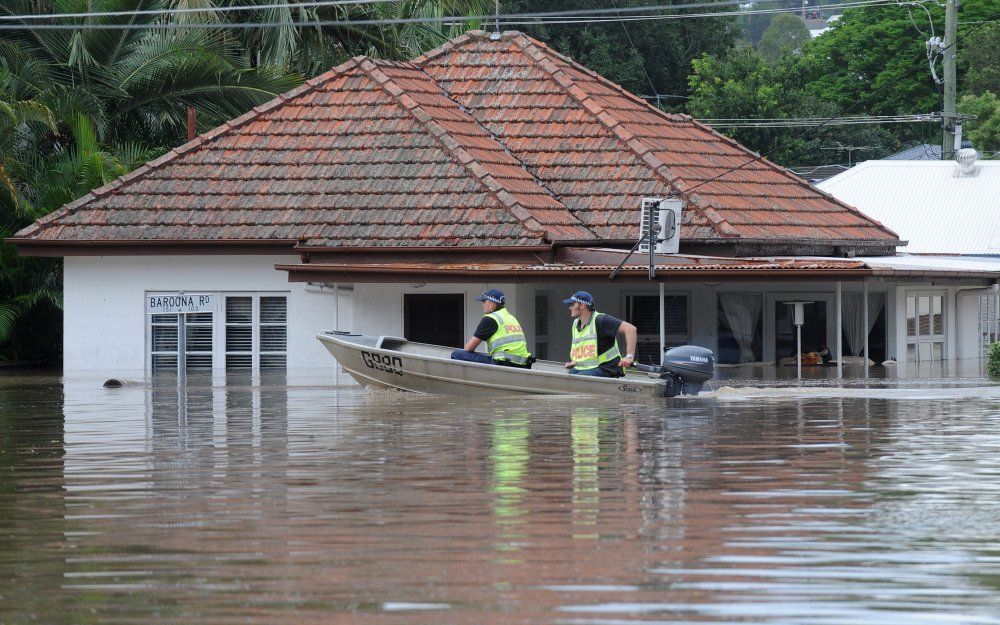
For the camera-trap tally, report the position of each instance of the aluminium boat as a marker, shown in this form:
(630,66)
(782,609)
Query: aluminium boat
(396,363)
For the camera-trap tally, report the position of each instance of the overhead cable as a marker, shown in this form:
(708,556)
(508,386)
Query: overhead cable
(510,19)
(325,3)
(803,122)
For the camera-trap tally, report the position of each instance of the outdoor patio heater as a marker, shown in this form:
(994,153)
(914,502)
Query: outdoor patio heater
(798,318)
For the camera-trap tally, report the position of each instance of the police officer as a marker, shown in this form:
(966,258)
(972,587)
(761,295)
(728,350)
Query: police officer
(595,340)
(502,332)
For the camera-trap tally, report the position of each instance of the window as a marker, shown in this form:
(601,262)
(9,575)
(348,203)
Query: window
(256,332)
(925,335)
(164,341)
(249,333)
(740,327)
(786,334)
(643,311)
(434,318)
(163,348)
(542,305)
(239,332)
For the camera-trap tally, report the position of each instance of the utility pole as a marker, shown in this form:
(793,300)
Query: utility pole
(949,118)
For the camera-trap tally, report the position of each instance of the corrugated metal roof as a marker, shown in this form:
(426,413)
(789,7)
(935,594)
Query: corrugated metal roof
(926,264)
(927,204)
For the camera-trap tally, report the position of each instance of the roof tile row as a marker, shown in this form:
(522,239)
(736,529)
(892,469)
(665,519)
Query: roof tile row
(480,142)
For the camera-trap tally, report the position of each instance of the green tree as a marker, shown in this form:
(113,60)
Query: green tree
(645,57)
(80,107)
(984,131)
(868,57)
(24,284)
(787,34)
(136,84)
(312,49)
(874,59)
(742,85)
(982,58)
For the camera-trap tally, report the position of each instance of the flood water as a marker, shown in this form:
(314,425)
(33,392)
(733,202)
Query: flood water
(266,502)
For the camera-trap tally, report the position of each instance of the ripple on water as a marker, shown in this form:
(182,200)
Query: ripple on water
(264,502)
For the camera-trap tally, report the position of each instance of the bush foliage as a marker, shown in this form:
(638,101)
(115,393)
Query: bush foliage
(993,360)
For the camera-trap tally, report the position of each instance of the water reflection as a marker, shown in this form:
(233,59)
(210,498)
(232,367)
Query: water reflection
(32,501)
(509,455)
(585,433)
(258,501)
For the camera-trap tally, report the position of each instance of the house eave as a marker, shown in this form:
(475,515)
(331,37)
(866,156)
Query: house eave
(328,272)
(150,247)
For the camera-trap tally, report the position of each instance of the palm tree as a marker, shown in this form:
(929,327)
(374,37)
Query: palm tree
(79,107)
(312,49)
(23,284)
(136,83)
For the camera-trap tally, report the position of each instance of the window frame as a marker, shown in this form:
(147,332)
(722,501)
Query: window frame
(916,340)
(219,325)
(669,339)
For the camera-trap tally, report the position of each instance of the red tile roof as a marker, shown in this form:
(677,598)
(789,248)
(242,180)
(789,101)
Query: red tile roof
(478,143)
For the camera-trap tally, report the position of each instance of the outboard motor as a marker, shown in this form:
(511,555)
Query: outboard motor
(685,369)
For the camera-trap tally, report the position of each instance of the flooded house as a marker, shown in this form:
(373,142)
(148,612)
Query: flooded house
(381,197)
(947,212)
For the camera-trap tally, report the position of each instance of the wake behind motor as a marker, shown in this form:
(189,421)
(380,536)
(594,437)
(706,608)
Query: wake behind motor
(685,369)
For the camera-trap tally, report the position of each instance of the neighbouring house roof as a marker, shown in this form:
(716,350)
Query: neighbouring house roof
(817,173)
(904,265)
(923,152)
(936,210)
(481,142)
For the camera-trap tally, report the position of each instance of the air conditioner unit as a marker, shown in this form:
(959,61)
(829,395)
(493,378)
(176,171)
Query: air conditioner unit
(667,214)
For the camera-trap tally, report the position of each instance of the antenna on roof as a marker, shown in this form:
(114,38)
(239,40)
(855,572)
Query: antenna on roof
(495,35)
(659,231)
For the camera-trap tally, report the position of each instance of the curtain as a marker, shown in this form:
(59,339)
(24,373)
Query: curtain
(853,318)
(742,311)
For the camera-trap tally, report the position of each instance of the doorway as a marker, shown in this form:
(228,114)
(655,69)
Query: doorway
(435,318)
(814,328)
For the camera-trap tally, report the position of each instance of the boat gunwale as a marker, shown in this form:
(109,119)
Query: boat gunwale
(654,384)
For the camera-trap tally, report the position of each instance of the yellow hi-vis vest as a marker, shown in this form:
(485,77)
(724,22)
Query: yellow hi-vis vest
(584,350)
(507,343)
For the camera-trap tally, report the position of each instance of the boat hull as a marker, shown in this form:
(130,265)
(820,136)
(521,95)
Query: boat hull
(390,362)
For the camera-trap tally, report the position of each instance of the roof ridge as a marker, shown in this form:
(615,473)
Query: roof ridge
(799,181)
(225,128)
(448,46)
(495,188)
(647,156)
(530,47)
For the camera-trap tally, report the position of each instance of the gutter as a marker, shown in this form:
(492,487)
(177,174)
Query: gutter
(383,270)
(343,249)
(150,247)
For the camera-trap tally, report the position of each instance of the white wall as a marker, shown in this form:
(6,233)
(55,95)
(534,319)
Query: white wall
(105,323)
(104,316)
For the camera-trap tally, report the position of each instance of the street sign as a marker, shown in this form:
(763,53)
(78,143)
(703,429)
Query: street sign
(174,303)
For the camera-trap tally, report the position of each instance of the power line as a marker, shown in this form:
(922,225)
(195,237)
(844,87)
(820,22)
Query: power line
(511,19)
(805,122)
(185,10)
(642,61)
(323,3)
